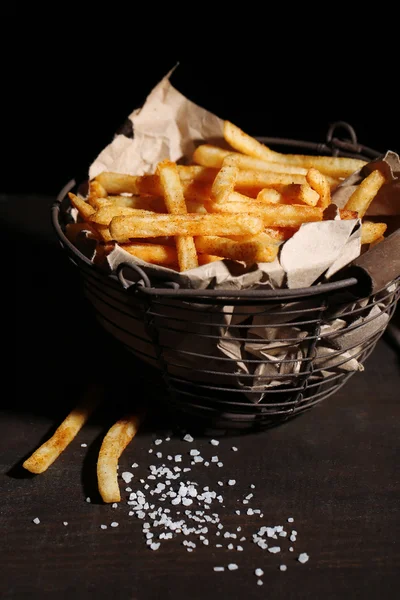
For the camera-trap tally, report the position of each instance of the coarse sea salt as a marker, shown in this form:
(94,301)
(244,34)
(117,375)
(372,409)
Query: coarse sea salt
(303,557)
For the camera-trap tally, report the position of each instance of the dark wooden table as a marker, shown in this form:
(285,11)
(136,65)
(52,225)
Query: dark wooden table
(335,469)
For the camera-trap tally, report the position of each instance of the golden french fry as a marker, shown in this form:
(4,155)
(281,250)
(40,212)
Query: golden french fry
(272,215)
(224,183)
(245,162)
(84,209)
(208,155)
(335,166)
(371,231)
(348,214)
(365,192)
(270,196)
(320,184)
(242,142)
(263,179)
(124,228)
(114,443)
(293,193)
(249,252)
(103,215)
(268,237)
(377,241)
(159,254)
(104,232)
(205,259)
(50,450)
(176,205)
(96,192)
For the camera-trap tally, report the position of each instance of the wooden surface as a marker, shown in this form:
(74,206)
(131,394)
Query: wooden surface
(334,469)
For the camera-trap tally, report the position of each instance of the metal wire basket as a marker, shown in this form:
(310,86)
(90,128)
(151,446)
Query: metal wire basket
(240,359)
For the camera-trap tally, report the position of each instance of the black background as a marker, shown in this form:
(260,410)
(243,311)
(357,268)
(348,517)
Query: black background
(69,81)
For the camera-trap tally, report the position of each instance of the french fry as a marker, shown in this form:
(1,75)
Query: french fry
(124,228)
(268,237)
(270,196)
(159,254)
(366,191)
(293,193)
(242,142)
(205,259)
(114,443)
(249,252)
(335,166)
(347,214)
(224,183)
(104,232)
(263,179)
(65,433)
(175,203)
(84,209)
(96,192)
(272,215)
(208,155)
(371,231)
(245,162)
(318,182)
(103,215)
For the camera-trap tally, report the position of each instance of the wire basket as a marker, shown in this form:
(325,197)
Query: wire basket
(240,359)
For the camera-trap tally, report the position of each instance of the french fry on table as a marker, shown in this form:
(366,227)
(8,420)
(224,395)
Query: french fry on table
(65,433)
(114,443)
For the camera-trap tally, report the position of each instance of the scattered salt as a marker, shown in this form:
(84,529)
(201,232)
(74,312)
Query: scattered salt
(114,524)
(88,499)
(114,505)
(231,481)
(260,582)
(65,523)
(188,438)
(234,448)
(232,567)
(219,568)
(83,445)
(103,526)
(214,442)
(158,442)
(36,520)
(282,567)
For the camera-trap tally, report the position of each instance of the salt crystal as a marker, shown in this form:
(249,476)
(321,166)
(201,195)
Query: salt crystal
(65,523)
(114,505)
(88,499)
(274,549)
(239,548)
(220,464)
(260,582)
(178,458)
(232,567)
(234,448)
(194,452)
(155,546)
(135,466)
(303,557)
(188,438)
(290,520)
(114,524)
(103,526)
(219,568)
(259,572)
(231,481)
(83,445)
(282,567)
(36,520)
(214,442)
(158,442)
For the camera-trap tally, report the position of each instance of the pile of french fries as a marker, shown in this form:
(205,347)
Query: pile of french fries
(239,204)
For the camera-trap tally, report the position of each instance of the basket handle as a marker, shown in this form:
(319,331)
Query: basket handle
(377,267)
